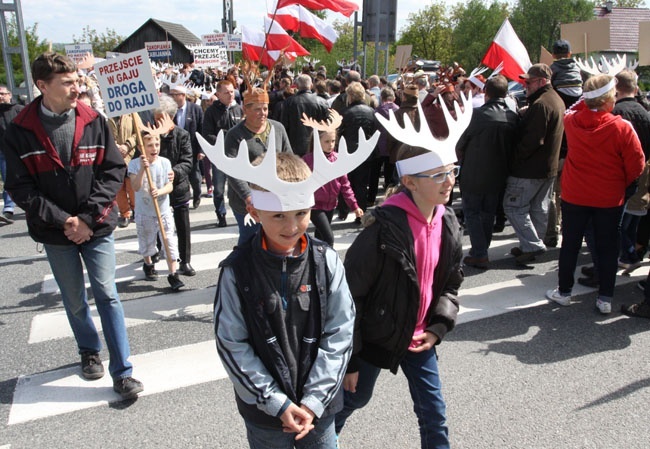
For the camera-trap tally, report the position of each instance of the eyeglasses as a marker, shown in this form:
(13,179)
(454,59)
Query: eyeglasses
(441,177)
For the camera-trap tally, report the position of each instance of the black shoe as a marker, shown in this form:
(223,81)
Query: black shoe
(123,222)
(589,281)
(196,203)
(127,387)
(641,286)
(91,366)
(525,257)
(343,216)
(150,272)
(175,282)
(156,258)
(588,271)
(221,221)
(186,269)
(550,242)
(516,251)
(357,221)
(498,227)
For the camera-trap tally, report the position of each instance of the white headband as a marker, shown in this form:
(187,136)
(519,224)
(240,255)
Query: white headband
(269,201)
(601,91)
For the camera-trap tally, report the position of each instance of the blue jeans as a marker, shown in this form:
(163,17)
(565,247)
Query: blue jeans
(322,436)
(525,203)
(245,232)
(9,204)
(421,371)
(219,186)
(98,254)
(479,210)
(605,223)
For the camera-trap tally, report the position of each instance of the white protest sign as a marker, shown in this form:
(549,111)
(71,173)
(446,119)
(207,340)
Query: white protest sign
(157,50)
(234,42)
(218,39)
(77,52)
(126,83)
(209,55)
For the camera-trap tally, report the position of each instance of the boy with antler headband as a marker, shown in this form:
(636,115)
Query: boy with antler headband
(284,316)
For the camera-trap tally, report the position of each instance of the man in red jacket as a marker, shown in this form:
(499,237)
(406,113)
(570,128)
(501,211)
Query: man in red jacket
(65,171)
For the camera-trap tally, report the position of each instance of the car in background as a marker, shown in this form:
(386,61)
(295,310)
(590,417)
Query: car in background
(516,90)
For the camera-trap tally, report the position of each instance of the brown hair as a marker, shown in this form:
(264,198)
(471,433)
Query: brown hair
(49,64)
(626,81)
(289,168)
(405,152)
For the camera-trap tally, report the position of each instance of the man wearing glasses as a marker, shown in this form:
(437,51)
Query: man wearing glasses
(534,164)
(8,112)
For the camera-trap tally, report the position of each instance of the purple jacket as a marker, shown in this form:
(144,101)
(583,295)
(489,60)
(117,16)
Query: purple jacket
(327,195)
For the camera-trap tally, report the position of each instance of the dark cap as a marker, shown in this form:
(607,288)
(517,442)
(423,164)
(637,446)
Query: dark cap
(540,70)
(561,47)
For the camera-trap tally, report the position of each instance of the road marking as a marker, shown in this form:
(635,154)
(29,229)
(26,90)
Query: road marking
(63,391)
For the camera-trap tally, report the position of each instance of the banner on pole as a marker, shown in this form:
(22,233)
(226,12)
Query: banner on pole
(126,84)
(234,42)
(218,39)
(209,56)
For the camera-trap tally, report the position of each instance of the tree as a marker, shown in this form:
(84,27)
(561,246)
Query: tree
(35,46)
(538,23)
(469,40)
(629,3)
(101,42)
(429,31)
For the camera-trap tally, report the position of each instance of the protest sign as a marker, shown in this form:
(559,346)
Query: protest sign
(209,56)
(126,84)
(234,42)
(158,50)
(77,52)
(218,39)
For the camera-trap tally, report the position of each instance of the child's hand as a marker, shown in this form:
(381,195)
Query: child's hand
(427,341)
(358,212)
(154,192)
(145,162)
(350,382)
(294,419)
(308,424)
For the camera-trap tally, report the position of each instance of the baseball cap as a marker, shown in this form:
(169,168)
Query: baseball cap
(540,70)
(561,47)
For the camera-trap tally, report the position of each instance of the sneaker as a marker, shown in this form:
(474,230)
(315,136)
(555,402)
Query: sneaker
(604,307)
(123,222)
(641,310)
(210,192)
(127,387)
(175,282)
(6,219)
(560,298)
(641,286)
(91,365)
(150,272)
(476,262)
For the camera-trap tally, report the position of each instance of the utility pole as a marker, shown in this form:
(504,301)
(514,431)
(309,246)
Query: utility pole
(8,8)
(228,23)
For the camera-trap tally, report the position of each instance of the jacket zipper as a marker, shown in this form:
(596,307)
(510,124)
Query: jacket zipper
(283,284)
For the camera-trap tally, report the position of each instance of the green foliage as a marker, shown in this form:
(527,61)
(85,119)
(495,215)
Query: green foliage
(35,47)
(629,4)
(430,32)
(537,23)
(469,41)
(101,42)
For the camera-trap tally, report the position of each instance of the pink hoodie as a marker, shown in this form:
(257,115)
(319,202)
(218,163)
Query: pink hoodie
(427,238)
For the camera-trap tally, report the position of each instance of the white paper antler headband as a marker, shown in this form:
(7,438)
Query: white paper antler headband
(285,196)
(612,68)
(442,152)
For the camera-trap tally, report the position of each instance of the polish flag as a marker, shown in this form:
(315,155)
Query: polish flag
(278,39)
(507,48)
(342,6)
(253,48)
(298,18)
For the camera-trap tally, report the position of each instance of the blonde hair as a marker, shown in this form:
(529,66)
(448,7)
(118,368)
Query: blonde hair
(289,168)
(355,92)
(596,82)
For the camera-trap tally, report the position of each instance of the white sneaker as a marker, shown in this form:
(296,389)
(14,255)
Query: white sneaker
(603,306)
(555,296)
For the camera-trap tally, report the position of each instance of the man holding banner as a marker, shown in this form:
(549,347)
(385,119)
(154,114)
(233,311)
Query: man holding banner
(65,171)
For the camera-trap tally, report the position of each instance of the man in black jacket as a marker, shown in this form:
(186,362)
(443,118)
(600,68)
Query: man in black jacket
(8,112)
(483,151)
(221,116)
(65,171)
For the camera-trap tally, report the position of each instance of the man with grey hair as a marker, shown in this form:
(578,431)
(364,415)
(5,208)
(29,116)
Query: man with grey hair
(373,87)
(175,145)
(303,102)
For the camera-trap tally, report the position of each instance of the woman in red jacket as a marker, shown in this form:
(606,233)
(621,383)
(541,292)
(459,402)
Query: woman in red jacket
(604,158)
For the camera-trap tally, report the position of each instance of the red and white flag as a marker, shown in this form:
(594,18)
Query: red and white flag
(342,6)
(253,48)
(298,18)
(278,39)
(507,48)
